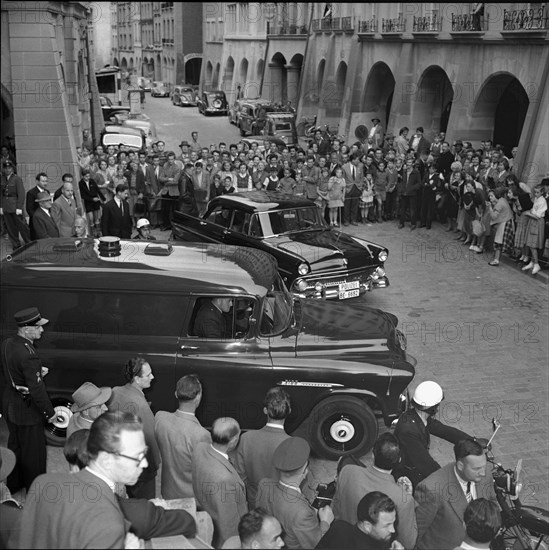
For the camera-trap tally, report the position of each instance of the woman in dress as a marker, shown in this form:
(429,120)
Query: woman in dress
(500,216)
(336,195)
(104,180)
(535,237)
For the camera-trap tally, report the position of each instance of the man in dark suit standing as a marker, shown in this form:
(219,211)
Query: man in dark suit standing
(85,512)
(216,484)
(41,186)
(407,189)
(116,220)
(42,225)
(418,142)
(143,182)
(353,172)
(443,497)
(25,403)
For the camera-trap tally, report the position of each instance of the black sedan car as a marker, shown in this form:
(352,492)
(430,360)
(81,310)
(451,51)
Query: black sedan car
(315,261)
(213,103)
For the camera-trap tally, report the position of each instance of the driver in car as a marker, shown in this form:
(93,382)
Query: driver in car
(211,321)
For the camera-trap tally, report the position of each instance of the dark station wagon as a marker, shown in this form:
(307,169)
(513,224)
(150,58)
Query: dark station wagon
(343,364)
(315,261)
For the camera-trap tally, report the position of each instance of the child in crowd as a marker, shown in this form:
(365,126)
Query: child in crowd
(535,237)
(380,190)
(367,197)
(336,195)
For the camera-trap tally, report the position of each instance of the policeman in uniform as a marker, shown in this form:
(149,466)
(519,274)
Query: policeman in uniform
(413,431)
(26,405)
(303,525)
(12,203)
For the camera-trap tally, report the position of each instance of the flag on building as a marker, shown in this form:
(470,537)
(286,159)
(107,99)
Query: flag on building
(327,11)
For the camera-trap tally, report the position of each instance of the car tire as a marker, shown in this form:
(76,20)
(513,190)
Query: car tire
(342,425)
(56,433)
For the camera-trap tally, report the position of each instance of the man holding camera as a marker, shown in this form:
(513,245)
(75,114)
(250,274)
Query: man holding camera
(26,404)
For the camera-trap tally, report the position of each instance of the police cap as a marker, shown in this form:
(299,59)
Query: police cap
(291,454)
(29,317)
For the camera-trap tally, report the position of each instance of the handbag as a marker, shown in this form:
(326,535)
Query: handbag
(478,228)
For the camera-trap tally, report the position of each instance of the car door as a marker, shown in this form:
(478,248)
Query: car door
(235,372)
(210,229)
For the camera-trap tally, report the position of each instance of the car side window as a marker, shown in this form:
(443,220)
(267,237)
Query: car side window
(255,227)
(215,320)
(240,222)
(220,216)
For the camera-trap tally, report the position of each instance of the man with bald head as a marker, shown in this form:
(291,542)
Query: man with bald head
(217,487)
(63,210)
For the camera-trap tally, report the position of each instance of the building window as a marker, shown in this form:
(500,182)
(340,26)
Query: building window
(231,18)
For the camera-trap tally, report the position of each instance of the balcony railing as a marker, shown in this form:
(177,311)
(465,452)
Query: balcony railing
(326,24)
(347,24)
(167,41)
(525,20)
(316,24)
(369,26)
(393,25)
(468,23)
(286,28)
(429,23)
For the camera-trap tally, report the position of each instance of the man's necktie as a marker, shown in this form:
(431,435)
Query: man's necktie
(122,207)
(468,494)
(354,173)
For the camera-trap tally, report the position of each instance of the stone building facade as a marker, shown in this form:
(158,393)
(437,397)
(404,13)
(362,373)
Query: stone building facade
(49,94)
(475,74)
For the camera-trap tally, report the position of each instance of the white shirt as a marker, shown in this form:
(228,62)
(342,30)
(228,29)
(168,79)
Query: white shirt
(273,425)
(290,486)
(463,484)
(540,207)
(46,211)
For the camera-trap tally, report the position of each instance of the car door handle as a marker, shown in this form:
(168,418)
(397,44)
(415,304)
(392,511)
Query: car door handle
(226,232)
(189,347)
(203,223)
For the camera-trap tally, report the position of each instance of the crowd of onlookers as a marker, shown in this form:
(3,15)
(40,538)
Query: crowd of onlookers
(474,192)
(252,485)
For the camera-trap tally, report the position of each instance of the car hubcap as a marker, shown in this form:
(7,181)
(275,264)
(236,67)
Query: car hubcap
(342,431)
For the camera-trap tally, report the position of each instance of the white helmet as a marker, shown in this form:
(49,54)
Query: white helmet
(428,394)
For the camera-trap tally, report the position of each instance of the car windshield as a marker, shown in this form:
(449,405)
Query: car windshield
(276,314)
(280,222)
(283,126)
(215,96)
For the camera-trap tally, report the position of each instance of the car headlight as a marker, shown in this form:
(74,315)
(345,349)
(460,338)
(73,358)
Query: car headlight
(301,285)
(303,269)
(382,256)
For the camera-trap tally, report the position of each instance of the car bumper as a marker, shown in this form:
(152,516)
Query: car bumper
(330,289)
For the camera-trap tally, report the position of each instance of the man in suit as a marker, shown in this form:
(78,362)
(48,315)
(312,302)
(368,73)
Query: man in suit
(170,174)
(376,133)
(211,322)
(216,484)
(443,497)
(414,428)
(407,189)
(354,482)
(42,224)
(25,402)
(41,186)
(63,211)
(12,200)
(116,220)
(85,512)
(89,403)
(303,525)
(253,456)
(418,142)
(201,187)
(178,435)
(353,172)
(143,182)
(10,510)
(147,519)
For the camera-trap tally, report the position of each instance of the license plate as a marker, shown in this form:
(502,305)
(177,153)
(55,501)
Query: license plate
(349,294)
(349,286)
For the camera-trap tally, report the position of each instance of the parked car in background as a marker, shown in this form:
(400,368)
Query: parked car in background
(134,138)
(281,126)
(148,126)
(345,365)
(234,111)
(253,114)
(159,89)
(213,102)
(184,96)
(109,109)
(144,83)
(315,261)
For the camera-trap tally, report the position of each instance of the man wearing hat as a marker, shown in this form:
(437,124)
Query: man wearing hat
(10,509)
(303,525)
(376,133)
(144,230)
(89,403)
(12,201)
(185,152)
(26,405)
(42,225)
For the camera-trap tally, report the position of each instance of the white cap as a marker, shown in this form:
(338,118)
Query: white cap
(142,222)
(428,394)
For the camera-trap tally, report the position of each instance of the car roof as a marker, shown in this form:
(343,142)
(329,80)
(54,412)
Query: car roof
(190,267)
(275,114)
(113,129)
(262,201)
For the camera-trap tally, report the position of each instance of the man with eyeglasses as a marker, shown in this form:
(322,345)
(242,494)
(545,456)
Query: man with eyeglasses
(80,510)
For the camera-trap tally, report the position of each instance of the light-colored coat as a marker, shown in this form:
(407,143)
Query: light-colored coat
(64,213)
(177,435)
